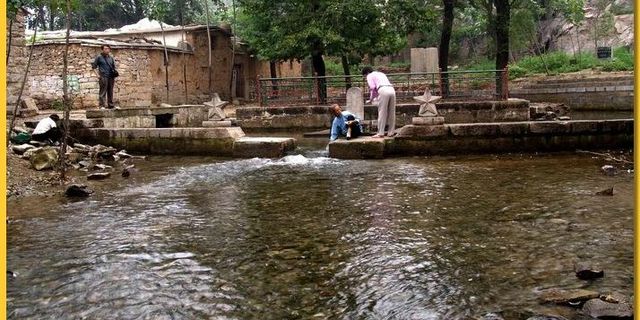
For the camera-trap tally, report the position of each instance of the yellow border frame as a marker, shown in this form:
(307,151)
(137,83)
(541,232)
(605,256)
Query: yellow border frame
(636,104)
(3,165)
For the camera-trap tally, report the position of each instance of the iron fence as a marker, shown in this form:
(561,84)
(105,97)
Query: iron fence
(474,84)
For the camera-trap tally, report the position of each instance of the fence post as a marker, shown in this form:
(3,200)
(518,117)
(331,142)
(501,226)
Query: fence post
(442,93)
(505,83)
(259,90)
(316,85)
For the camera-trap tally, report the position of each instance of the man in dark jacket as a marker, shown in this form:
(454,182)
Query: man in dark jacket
(105,68)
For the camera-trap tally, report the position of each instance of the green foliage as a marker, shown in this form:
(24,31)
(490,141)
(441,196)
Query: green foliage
(560,62)
(57,105)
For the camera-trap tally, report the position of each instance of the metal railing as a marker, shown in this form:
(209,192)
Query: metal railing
(453,85)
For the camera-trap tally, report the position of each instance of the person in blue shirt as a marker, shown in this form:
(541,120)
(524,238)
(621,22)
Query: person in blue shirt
(344,124)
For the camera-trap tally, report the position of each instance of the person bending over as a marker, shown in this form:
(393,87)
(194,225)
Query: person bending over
(47,130)
(382,90)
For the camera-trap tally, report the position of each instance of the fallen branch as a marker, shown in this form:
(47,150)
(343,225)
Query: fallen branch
(607,156)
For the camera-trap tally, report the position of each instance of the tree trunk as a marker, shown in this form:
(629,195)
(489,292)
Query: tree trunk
(166,61)
(503,11)
(10,38)
(320,72)
(206,4)
(347,73)
(273,74)
(184,61)
(24,81)
(445,39)
(233,51)
(65,94)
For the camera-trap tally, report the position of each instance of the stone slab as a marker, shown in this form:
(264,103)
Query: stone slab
(178,141)
(262,147)
(359,148)
(215,124)
(427,121)
(355,102)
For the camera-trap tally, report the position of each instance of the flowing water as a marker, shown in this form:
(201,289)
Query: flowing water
(306,236)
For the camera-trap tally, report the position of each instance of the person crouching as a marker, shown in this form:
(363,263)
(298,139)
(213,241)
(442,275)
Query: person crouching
(48,130)
(344,124)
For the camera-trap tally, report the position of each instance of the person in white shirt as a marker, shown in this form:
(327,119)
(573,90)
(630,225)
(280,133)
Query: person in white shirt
(47,130)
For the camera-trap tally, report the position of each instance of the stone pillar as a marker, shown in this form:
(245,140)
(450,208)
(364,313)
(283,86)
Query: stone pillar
(17,59)
(424,59)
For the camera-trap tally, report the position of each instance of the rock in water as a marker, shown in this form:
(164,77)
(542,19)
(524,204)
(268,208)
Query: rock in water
(605,192)
(604,310)
(98,176)
(78,190)
(585,271)
(45,158)
(560,296)
(608,170)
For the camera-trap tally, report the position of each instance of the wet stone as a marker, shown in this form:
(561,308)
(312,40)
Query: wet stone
(78,190)
(586,271)
(560,296)
(98,176)
(605,310)
(605,192)
(21,148)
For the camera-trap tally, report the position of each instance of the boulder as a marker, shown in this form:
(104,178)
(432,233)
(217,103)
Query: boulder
(84,149)
(586,271)
(45,158)
(85,163)
(608,170)
(545,317)
(29,153)
(100,166)
(74,157)
(605,192)
(605,310)
(78,190)
(615,297)
(21,148)
(560,296)
(98,176)
(122,154)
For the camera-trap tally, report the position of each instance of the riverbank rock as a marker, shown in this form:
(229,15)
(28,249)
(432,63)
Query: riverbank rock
(78,191)
(21,148)
(560,296)
(608,170)
(543,317)
(98,176)
(615,297)
(45,158)
(586,271)
(605,192)
(605,310)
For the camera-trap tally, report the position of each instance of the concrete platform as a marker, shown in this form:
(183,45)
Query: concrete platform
(526,136)
(174,141)
(359,148)
(267,147)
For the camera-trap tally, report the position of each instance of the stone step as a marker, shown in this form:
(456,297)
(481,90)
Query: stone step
(216,124)
(263,147)
(427,121)
(359,148)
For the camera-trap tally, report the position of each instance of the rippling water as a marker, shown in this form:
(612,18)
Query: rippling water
(311,237)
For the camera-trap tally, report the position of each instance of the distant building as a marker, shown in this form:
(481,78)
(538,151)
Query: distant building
(139,54)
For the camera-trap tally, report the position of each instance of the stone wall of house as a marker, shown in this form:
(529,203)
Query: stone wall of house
(17,59)
(132,88)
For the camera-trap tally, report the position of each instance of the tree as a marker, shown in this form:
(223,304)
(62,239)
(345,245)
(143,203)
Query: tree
(65,92)
(291,29)
(443,53)
(503,14)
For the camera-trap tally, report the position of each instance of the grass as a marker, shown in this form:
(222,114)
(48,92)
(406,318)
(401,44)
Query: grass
(561,62)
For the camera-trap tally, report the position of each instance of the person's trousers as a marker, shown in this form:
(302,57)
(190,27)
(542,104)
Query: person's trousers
(386,110)
(106,91)
(53,134)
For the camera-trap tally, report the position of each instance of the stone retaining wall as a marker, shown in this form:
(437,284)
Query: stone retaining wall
(612,93)
(542,136)
(17,59)
(181,116)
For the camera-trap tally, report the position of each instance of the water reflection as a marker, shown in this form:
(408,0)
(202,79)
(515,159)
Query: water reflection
(304,237)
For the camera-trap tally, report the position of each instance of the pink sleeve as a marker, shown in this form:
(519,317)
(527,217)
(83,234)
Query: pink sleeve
(373,88)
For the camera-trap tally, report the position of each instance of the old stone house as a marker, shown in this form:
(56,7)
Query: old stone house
(139,55)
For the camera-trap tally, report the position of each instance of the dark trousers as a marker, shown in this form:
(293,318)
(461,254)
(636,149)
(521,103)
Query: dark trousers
(54,134)
(355,127)
(106,91)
